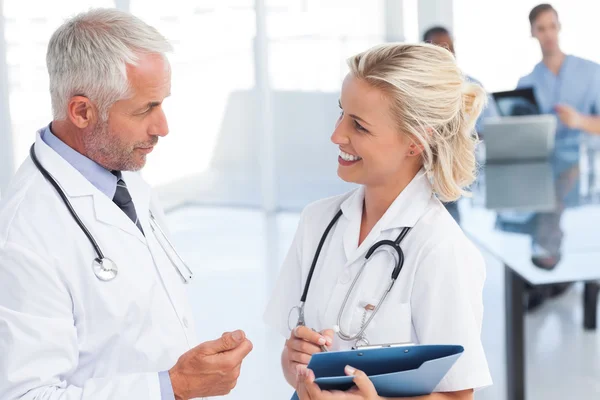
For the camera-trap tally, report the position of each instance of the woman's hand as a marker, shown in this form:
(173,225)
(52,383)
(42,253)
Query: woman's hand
(307,389)
(299,348)
(364,390)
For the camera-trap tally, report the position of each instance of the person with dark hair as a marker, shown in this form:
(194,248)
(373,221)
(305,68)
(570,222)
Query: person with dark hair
(539,10)
(566,85)
(440,36)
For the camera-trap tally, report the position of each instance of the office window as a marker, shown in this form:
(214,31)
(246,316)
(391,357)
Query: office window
(212,61)
(28,27)
(215,153)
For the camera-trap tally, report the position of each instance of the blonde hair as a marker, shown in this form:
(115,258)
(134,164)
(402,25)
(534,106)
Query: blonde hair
(433,103)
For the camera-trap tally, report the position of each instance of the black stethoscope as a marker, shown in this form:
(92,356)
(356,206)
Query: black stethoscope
(104,268)
(360,336)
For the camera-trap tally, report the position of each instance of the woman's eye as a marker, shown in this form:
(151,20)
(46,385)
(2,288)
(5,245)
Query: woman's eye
(359,126)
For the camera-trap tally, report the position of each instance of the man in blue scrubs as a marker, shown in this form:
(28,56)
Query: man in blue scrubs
(569,87)
(565,85)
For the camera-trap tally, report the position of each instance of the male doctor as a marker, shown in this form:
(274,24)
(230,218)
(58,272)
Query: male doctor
(68,328)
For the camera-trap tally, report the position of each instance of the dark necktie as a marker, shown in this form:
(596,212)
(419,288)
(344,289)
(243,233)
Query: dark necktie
(124,201)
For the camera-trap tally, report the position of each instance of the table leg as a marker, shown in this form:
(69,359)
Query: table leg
(515,335)
(590,305)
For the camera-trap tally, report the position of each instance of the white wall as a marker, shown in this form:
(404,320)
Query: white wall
(436,12)
(394,20)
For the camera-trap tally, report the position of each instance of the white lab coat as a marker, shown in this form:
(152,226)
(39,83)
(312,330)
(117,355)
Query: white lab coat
(437,298)
(64,334)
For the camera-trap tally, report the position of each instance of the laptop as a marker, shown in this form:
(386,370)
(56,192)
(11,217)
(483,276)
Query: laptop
(516,102)
(518,139)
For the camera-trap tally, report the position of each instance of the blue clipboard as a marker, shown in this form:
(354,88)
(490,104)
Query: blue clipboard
(404,371)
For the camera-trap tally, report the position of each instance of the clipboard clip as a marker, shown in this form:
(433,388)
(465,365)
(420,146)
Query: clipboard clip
(383,346)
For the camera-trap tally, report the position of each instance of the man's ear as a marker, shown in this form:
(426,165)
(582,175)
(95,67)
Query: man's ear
(81,112)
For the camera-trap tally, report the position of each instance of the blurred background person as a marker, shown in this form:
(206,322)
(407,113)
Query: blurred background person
(565,85)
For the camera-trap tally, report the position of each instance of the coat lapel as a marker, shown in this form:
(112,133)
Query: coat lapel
(76,186)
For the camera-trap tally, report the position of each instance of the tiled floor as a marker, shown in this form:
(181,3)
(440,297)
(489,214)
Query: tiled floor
(236,254)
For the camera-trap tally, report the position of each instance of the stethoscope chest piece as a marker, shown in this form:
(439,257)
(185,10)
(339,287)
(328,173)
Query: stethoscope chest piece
(297,313)
(105,269)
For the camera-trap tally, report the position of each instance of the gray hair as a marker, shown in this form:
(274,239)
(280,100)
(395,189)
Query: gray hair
(88,55)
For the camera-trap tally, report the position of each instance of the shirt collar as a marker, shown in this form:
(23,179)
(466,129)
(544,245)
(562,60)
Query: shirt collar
(405,211)
(96,174)
(544,69)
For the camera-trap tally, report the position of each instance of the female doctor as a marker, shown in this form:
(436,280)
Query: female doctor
(406,135)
